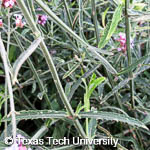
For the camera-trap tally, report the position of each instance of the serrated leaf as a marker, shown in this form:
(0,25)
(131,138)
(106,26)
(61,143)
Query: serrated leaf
(111,27)
(115,20)
(37,114)
(111,116)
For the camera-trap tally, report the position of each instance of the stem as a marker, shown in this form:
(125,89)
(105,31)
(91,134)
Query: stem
(12,106)
(129,54)
(9,32)
(120,147)
(8,44)
(40,132)
(52,68)
(6,110)
(94,15)
(68,13)
(81,18)
(87,127)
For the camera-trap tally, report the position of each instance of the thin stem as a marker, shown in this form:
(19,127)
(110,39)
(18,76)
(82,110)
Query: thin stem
(40,132)
(8,44)
(12,106)
(120,147)
(81,18)
(68,14)
(94,15)
(9,32)
(6,108)
(129,54)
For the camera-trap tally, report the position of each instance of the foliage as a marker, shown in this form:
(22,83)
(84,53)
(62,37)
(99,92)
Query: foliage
(68,75)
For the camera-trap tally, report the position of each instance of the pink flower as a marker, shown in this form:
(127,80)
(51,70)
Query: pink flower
(22,148)
(1,22)
(8,3)
(122,41)
(19,22)
(42,19)
(19,144)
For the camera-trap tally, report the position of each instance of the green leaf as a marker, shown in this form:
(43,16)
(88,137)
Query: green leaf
(103,40)
(37,114)
(23,57)
(115,89)
(111,27)
(79,81)
(104,16)
(130,139)
(93,77)
(12,53)
(2,145)
(146,120)
(134,65)
(139,6)
(111,116)
(68,73)
(68,88)
(94,84)
(79,108)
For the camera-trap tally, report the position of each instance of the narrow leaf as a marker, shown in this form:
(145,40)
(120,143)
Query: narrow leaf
(94,84)
(134,65)
(113,116)
(68,73)
(23,57)
(111,27)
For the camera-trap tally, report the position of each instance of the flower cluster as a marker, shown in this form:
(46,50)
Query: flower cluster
(18,17)
(8,3)
(18,145)
(19,22)
(42,19)
(1,22)
(122,41)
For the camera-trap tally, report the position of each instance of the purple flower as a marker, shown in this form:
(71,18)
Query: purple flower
(42,19)
(122,41)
